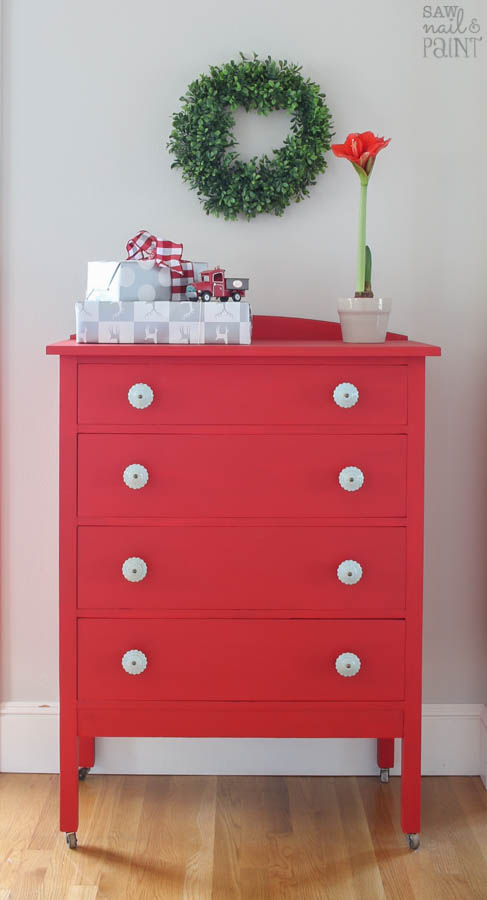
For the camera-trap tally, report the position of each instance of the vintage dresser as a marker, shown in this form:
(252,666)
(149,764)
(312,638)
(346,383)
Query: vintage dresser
(241,544)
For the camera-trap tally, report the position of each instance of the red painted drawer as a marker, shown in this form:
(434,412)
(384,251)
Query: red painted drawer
(240,394)
(241,475)
(225,659)
(242,567)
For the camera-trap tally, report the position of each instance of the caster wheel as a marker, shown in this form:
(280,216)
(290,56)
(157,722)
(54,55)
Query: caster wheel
(413,840)
(71,840)
(82,773)
(384,776)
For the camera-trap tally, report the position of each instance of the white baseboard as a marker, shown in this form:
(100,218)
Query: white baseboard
(454,743)
(483,745)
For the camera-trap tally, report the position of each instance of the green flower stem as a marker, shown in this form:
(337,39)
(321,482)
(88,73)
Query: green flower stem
(362,216)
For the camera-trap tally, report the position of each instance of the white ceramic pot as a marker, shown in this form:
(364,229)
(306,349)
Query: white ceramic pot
(364,320)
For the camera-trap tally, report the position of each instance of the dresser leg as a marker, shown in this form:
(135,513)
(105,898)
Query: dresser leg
(86,752)
(68,782)
(411,780)
(385,753)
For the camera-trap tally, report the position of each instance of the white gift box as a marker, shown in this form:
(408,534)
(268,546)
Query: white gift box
(137,279)
(163,322)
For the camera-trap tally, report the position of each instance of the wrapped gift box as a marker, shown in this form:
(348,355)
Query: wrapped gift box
(138,279)
(163,322)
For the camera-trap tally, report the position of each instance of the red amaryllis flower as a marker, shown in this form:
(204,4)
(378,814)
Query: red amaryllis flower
(359,148)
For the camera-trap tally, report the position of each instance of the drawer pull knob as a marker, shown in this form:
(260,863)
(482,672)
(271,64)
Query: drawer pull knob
(140,396)
(345,395)
(347,664)
(134,662)
(135,476)
(134,569)
(351,478)
(349,571)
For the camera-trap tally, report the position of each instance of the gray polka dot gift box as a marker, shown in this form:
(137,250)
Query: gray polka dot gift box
(138,279)
(163,322)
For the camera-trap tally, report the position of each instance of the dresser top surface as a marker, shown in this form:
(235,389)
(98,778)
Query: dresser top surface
(272,336)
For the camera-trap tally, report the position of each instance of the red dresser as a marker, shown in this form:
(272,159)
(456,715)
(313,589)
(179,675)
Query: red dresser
(241,544)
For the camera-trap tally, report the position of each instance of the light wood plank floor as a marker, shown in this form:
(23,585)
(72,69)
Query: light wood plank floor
(241,838)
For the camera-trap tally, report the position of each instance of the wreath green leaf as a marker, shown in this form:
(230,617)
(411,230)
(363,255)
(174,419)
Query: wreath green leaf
(203,142)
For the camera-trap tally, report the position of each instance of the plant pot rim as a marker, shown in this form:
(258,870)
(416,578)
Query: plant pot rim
(365,304)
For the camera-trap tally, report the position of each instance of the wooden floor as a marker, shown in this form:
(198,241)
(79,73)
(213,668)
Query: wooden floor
(255,838)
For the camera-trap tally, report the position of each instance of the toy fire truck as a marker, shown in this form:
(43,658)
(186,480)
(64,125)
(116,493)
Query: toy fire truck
(214,284)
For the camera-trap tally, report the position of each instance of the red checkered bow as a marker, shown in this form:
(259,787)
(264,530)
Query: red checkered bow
(164,253)
(147,246)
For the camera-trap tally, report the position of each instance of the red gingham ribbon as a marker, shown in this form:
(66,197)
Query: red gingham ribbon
(164,253)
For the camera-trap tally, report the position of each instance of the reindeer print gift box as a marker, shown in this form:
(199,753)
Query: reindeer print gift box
(163,322)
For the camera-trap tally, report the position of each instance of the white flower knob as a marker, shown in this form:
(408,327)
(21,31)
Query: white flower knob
(351,478)
(345,395)
(135,476)
(134,662)
(134,569)
(349,571)
(347,664)
(140,396)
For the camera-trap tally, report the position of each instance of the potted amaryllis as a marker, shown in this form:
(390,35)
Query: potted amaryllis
(363,318)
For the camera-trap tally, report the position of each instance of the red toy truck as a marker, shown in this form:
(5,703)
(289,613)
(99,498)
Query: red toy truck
(214,284)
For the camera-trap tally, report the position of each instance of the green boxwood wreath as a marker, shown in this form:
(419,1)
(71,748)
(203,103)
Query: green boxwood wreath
(203,143)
